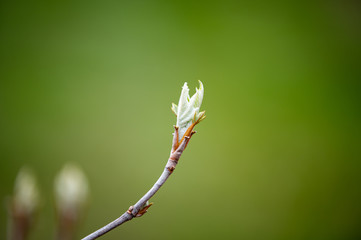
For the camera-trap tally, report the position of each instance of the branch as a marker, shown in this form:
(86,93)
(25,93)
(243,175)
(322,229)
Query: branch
(141,206)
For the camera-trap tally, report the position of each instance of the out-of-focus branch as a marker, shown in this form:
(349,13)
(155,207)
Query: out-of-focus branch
(142,205)
(19,224)
(23,205)
(71,191)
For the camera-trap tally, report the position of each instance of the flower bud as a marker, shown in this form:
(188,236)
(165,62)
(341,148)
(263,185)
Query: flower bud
(71,189)
(187,111)
(23,205)
(26,194)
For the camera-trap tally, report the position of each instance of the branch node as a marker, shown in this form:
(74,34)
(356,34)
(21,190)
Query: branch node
(130,210)
(173,158)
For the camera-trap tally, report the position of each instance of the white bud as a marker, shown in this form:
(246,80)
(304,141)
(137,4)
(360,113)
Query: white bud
(187,111)
(71,188)
(26,195)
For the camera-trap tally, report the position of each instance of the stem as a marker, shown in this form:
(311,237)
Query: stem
(19,222)
(139,208)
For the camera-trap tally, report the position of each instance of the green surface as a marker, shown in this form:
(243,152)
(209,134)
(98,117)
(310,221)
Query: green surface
(278,156)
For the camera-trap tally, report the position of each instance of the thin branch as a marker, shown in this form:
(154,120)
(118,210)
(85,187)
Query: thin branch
(140,207)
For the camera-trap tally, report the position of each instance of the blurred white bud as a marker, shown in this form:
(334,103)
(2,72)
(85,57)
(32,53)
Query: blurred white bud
(26,194)
(187,111)
(71,188)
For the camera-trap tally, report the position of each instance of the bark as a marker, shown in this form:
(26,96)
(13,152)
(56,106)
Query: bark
(140,207)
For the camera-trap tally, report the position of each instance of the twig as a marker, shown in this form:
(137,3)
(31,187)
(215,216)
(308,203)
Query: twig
(141,207)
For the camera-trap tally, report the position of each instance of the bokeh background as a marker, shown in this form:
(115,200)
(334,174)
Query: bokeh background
(278,156)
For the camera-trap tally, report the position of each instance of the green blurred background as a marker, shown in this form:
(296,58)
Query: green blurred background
(278,156)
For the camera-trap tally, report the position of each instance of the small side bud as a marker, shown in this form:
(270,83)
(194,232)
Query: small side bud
(144,209)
